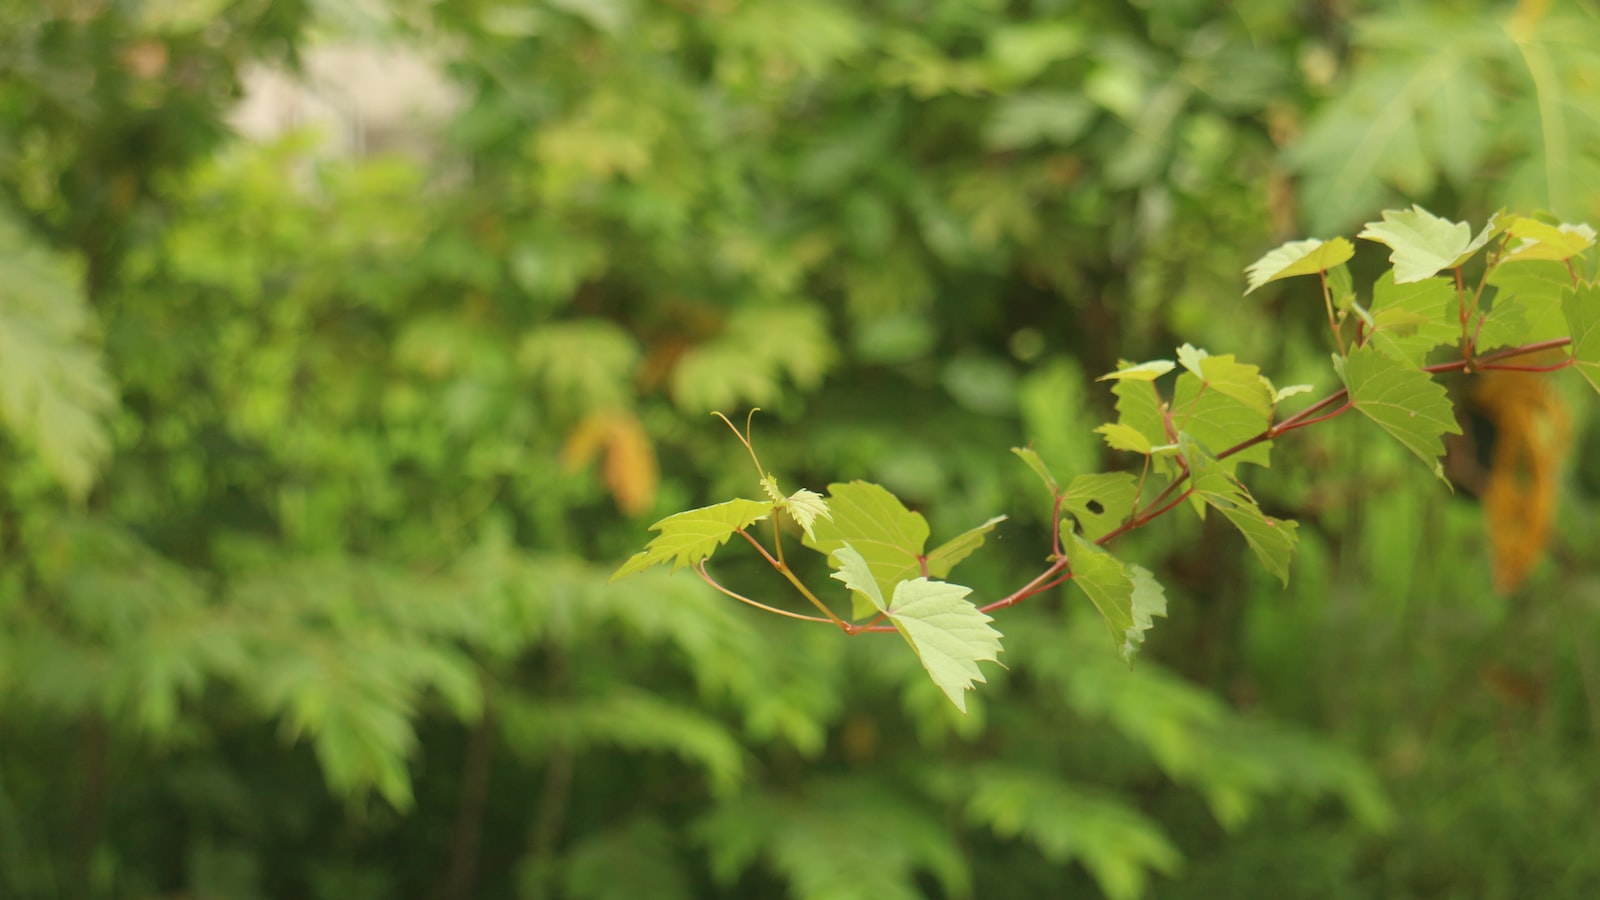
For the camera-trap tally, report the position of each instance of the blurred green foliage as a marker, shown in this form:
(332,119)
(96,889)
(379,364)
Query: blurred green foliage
(314,468)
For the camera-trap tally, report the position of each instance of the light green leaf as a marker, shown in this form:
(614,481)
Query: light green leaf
(857,575)
(1240,381)
(1100,502)
(1190,357)
(948,633)
(1147,371)
(1403,400)
(1424,244)
(1271,539)
(1031,458)
(1408,320)
(1149,599)
(945,556)
(890,537)
(1582,309)
(1139,408)
(1549,242)
(689,537)
(951,636)
(1105,580)
(805,506)
(1307,257)
(769,486)
(1125,437)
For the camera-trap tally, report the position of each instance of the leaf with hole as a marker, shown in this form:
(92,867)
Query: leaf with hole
(1100,502)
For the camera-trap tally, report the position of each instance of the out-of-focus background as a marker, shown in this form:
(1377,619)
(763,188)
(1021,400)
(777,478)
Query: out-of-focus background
(347,347)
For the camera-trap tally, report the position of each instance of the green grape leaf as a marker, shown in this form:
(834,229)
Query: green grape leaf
(1105,580)
(890,537)
(1125,437)
(1408,320)
(1548,242)
(1424,244)
(1241,381)
(1307,257)
(1149,599)
(857,575)
(1147,371)
(1582,309)
(1190,357)
(1139,408)
(1526,305)
(949,634)
(1341,287)
(945,556)
(1100,502)
(1403,400)
(805,507)
(1031,458)
(689,537)
(1215,414)
(1271,539)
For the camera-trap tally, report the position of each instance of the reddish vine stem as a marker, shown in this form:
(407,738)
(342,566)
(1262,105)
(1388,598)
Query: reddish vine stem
(1039,583)
(1496,367)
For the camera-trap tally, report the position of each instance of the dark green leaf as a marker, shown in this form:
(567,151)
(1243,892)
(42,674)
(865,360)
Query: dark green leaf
(1582,309)
(1105,580)
(1403,400)
(1411,319)
(1100,502)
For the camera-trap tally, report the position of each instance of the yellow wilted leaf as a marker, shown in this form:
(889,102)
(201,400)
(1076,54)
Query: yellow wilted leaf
(584,442)
(1532,435)
(629,468)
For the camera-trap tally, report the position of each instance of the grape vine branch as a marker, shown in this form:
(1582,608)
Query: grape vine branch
(1532,299)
